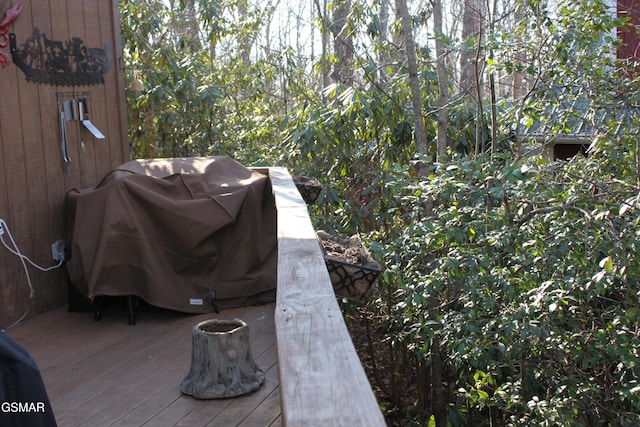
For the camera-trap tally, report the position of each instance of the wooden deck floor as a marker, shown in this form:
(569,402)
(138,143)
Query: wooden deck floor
(110,374)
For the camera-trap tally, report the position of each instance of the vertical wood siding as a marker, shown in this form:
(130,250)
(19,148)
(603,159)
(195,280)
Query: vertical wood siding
(32,179)
(630,47)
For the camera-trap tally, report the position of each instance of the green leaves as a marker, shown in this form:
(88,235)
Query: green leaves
(201,95)
(536,283)
(527,268)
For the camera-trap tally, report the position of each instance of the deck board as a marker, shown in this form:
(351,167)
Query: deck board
(109,373)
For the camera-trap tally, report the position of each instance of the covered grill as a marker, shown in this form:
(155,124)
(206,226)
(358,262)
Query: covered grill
(176,233)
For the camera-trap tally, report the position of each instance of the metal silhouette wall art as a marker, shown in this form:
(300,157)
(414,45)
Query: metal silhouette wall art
(68,63)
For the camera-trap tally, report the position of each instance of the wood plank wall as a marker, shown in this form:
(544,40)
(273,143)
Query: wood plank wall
(630,46)
(33,182)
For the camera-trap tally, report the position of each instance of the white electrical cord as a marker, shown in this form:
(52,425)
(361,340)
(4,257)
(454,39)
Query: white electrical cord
(4,228)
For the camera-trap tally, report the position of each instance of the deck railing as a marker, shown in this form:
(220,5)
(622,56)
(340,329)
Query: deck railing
(322,381)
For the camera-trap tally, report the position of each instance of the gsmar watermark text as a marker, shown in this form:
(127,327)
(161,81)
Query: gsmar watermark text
(21,407)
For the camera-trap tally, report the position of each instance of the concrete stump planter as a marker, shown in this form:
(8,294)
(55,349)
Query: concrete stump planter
(221,361)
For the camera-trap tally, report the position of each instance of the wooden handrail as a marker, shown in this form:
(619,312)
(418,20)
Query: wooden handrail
(322,381)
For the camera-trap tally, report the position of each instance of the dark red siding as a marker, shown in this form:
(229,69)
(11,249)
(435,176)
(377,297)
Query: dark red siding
(630,48)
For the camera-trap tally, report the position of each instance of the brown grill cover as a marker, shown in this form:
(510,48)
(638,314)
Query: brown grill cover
(171,230)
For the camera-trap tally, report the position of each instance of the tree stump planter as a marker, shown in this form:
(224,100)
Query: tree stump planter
(221,361)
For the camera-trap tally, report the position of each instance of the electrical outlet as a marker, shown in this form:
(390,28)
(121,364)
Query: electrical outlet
(57,250)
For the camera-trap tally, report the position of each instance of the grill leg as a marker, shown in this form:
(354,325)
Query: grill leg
(131,314)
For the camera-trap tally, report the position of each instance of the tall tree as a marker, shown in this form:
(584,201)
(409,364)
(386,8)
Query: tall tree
(383,32)
(416,98)
(472,64)
(471,55)
(342,42)
(321,10)
(519,89)
(245,47)
(443,82)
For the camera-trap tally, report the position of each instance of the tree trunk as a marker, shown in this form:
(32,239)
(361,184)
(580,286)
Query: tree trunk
(383,14)
(443,84)
(321,11)
(244,44)
(342,43)
(416,98)
(492,89)
(519,88)
(470,58)
(471,65)
(438,403)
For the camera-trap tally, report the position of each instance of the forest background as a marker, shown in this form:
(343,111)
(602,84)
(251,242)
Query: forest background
(510,294)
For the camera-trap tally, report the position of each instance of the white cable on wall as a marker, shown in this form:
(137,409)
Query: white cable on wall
(4,229)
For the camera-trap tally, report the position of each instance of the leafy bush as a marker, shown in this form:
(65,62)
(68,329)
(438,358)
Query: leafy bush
(528,273)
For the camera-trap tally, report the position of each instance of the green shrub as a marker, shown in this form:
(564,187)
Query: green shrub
(532,271)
